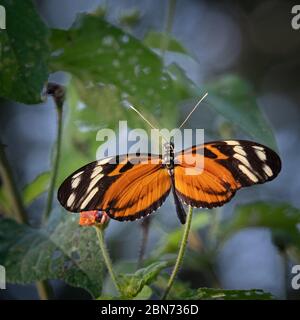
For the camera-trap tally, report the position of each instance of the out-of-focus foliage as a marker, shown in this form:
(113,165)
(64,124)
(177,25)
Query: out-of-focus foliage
(282,218)
(24,53)
(233,98)
(169,243)
(36,188)
(62,250)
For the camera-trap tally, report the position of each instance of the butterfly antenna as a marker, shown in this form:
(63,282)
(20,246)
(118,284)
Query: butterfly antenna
(137,111)
(149,123)
(186,119)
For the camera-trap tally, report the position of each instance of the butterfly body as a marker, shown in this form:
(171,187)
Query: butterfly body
(129,187)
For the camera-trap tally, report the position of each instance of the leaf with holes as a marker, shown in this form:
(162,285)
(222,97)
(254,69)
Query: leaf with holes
(24,53)
(62,250)
(102,55)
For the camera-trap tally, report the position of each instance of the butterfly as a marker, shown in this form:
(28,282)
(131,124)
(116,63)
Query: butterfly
(129,187)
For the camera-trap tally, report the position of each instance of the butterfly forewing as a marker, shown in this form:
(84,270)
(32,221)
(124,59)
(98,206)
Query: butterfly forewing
(227,166)
(126,187)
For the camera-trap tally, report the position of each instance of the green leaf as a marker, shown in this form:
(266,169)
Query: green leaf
(223,294)
(159,40)
(281,218)
(132,284)
(99,54)
(23,53)
(36,188)
(62,250)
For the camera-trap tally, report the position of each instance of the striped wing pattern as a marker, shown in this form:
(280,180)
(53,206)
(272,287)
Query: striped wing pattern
(126,188)
(228,166)
(129,187)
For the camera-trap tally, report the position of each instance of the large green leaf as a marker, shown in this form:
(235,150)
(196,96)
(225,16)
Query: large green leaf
(283,219)
(100,54)
(23,53)
(62,250)
(223,294)
(36,188)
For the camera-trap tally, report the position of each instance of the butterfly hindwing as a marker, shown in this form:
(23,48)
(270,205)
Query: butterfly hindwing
(126,187)
(228,166)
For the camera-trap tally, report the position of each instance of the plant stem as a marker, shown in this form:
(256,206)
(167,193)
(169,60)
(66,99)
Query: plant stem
(11,188)
(44,289)
(106,257)
(58,93)
(180,252)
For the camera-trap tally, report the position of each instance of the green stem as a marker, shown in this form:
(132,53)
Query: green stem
(106,257)
(11,188)
(180,252)
(58,96)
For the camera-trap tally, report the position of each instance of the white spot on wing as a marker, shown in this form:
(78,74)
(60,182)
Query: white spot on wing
(104,161)
(242,159)
(75,182)
(232,142)
(258,148)
(248,173)
(77,174)
(89,198)
(94,181)
(239,150)
(268,170)
(96,171)
(261,155)
(71,200)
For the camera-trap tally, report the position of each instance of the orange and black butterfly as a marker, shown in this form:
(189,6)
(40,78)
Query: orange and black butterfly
(130,187)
